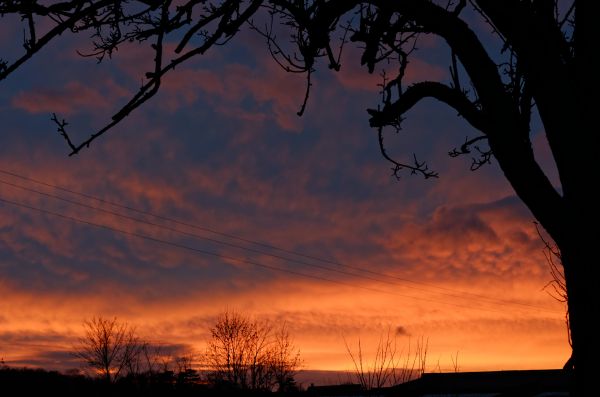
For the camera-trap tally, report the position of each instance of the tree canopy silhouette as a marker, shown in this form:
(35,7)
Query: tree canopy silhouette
(250,355)
(109,347)
(546,64)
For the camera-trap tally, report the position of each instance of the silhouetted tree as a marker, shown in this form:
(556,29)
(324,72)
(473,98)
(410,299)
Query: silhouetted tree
(546,63)
(185,373)
(109,347)
(285,360)
(151,358)
(248,354)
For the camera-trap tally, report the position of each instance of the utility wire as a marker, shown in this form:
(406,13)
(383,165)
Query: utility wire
(197,236)
(232,258)
(228,235)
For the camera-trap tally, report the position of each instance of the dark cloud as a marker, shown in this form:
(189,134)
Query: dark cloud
(461,222)
(56,359)
(171,349)
(401,331)
(33,337)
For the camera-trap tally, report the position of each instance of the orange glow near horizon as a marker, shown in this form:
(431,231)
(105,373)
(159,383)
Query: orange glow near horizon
(321,318)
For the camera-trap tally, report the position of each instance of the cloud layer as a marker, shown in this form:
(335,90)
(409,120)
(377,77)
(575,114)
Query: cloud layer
(239,182)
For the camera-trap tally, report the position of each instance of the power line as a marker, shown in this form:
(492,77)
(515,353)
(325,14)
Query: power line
(231,258)
(171,229)
(448,291)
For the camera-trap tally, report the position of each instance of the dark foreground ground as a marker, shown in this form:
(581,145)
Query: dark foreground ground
(38,383)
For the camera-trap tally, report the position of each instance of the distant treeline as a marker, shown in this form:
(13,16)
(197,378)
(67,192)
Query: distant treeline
(40,382)
(243,356)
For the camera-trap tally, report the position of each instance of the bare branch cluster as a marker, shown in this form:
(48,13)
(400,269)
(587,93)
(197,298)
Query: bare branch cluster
(109,347)
(298,34)
(557,287)
(253,355)
(241,354)
(113,350)
(389,366)
(484,154)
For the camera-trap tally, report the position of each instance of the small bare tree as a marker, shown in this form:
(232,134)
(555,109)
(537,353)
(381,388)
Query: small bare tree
(151,357)
(249,354)
(186,374)
(167,366)
(109,347)
(285,359)
(228,348)
(389,366)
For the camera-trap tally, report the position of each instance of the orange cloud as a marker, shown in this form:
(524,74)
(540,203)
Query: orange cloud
(277,94)
(73,97)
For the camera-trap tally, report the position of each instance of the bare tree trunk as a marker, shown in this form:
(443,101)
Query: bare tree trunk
(579,252)
(107,375)
(582,276)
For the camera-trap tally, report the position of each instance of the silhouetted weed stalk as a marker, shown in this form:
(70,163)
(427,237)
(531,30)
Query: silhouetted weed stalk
(389,366)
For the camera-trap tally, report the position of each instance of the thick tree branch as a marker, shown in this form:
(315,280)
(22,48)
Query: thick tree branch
(512,151)
(429,89)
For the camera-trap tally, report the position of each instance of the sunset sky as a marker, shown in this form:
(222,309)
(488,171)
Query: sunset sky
(239,182)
